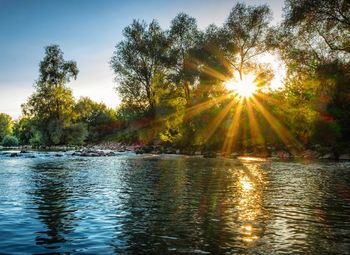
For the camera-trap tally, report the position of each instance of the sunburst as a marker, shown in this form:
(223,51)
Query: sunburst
(245,87)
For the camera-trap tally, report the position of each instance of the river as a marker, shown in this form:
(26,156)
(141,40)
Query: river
(170,204)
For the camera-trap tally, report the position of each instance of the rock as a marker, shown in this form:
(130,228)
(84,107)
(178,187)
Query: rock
(344,157)
(198,153)
(24,151)
(139,151)
(283,155)
(327,156)
(169,151)
(110,154)
(177,151)
(58,155)
(13,155)
(100,153)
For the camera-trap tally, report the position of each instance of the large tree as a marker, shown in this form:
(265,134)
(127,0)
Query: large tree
(51,106)
(139,62)
(314,43)
(246,34)
(184,36)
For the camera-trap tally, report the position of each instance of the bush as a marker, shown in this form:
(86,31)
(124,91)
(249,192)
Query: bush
(76,134)
(9,141)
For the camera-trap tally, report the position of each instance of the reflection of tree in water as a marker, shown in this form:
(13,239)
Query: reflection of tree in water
(51,193)
(190,205)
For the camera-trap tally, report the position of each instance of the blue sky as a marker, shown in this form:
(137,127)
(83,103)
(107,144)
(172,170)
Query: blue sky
(87,31)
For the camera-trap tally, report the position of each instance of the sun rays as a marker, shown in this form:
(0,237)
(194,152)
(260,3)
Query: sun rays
(244,113)
(245,87)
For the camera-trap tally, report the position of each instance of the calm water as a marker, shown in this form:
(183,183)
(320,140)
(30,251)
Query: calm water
(172,205)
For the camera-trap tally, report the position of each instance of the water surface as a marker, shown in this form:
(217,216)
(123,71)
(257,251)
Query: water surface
(172,205)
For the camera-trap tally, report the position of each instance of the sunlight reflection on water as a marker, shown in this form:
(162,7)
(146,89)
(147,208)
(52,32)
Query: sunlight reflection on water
(173,205)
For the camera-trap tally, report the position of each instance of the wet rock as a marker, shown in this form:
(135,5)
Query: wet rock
(13,155)
(110,154)
(24,151)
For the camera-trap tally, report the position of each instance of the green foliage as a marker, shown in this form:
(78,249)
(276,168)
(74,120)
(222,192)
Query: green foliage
(98,118)
(23,130)
(171,83)
(92,113)
(36,140)
(6,125)
(184,37)
(76,134)
(51,107)
(137,60)
(9,141)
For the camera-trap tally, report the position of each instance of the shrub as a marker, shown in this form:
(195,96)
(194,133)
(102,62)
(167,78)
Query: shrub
(9,141)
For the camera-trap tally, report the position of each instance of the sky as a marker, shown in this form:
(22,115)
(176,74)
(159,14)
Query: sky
(87,32)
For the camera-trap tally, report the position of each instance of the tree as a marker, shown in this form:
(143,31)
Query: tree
(92,113)
(326,20)
(313,42)
(137,62)
(246,34)
(6,125)
(184,36)
(51,107)
(98,118)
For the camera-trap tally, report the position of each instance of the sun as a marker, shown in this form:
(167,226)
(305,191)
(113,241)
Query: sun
(244,88)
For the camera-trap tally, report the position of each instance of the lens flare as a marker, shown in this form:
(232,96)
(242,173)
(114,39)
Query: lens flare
(244,88)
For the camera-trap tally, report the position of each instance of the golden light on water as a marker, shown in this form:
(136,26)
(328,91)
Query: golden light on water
(244,88)
(246,184)
(250,185)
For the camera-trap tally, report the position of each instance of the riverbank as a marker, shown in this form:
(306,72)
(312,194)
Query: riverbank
(113,149)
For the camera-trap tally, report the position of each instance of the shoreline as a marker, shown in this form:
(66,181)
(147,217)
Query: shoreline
(114,149)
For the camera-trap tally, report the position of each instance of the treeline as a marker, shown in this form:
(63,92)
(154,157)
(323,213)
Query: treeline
(172,85)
